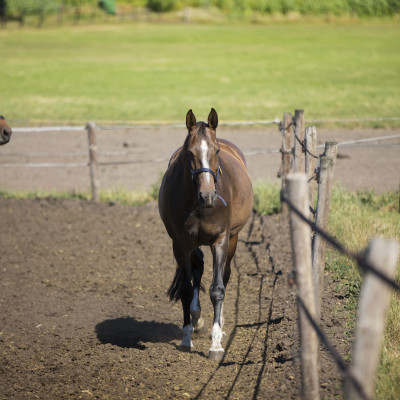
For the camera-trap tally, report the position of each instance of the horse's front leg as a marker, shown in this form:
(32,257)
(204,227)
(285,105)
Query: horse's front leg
(217,295)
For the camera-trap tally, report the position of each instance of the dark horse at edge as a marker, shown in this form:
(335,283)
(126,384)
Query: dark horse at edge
(5,131)
(205,199)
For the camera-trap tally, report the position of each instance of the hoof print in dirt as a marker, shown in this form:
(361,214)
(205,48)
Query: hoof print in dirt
(216,355)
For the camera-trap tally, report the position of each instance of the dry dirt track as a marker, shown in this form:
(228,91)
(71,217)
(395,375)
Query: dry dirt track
(84,312)
(83,308)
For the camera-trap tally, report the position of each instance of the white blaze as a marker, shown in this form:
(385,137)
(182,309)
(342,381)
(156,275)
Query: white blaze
(204,159)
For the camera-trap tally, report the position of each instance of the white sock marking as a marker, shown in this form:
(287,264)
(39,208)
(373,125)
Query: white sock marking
(216,336)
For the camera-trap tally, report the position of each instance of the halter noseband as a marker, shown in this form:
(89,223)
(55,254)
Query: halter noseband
(198,171)
(215,175)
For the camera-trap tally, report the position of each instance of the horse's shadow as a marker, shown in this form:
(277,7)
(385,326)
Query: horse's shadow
(127,332)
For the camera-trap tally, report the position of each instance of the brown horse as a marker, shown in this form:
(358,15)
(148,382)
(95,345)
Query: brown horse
(205,199)
(5,131)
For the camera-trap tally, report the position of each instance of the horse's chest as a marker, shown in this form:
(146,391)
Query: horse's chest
(204,231)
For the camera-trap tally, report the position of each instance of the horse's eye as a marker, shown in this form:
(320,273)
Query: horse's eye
(217,151)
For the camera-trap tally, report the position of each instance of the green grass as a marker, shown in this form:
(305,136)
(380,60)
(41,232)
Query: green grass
(355,218)
(267,198)
(156,72)
(118,195)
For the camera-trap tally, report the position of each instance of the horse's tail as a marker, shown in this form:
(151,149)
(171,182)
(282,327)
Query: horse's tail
(174,291)
(197,259)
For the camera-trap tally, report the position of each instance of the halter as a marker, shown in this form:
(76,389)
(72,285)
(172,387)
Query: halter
(215,175)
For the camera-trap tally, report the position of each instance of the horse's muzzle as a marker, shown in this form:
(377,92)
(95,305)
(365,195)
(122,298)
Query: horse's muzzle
(207,199)
(5,135)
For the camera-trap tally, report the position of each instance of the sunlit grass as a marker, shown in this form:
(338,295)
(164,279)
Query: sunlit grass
(155,73)
(356,218)
(113,195)
(266,198)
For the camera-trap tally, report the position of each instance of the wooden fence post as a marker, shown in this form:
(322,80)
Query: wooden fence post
(374,299)
(331,149)
(321,220)
(94,175)
(298,163)
(286,150)
(311,146)
(297,191)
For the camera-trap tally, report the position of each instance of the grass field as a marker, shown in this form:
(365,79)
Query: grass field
(156,72)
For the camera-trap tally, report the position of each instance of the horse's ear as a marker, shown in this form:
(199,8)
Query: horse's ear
(190,120)
(213,119)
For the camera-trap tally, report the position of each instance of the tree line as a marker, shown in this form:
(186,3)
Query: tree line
(20,9)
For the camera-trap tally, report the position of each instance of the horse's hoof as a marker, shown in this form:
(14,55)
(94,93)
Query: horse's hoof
(216,355)
(186,349)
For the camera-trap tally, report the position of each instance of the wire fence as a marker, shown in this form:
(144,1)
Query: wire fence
(307,275)
(248,153)
(363,264)
(177,125)
(358,257)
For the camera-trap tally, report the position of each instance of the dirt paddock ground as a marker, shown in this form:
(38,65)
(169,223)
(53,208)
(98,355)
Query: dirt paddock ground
(84,312)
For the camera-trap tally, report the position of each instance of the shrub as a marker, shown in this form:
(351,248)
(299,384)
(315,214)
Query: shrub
(161,5)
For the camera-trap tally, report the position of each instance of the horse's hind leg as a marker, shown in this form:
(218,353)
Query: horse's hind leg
(227,270)
(186,292)
(197,260)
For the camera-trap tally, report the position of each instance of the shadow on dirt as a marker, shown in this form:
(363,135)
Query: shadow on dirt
(129,333)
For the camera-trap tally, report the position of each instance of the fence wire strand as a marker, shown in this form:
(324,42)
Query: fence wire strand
(346,372)
(358,257)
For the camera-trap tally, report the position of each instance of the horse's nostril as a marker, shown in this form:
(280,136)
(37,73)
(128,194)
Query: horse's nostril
(207,200)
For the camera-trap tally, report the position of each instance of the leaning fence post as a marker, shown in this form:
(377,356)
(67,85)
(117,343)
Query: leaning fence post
(297,192)
(94,176)
(311,146)
(374,300)
(286,150)
(321,220)
(331,149)
(298,163)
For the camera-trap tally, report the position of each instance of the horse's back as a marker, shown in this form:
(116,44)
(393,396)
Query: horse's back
(174,156)
(233,160)
(226,145)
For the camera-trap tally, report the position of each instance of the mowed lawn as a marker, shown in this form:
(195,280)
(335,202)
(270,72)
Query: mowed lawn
(156,72)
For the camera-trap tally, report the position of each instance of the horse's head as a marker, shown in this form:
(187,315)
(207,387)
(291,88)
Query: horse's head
(202,155)
(5,131)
